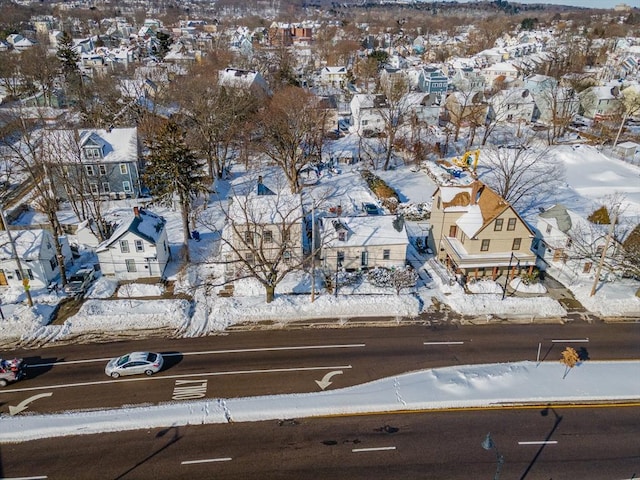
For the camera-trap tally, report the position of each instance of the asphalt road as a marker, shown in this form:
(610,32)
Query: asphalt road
(291,361)
(536,444)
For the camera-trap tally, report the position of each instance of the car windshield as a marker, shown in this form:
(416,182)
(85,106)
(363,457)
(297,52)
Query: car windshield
(122,360)
(152,357)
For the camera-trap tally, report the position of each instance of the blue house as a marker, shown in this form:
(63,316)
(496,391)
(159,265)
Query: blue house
(433,81)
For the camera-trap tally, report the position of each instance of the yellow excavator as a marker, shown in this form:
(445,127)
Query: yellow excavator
(466,162)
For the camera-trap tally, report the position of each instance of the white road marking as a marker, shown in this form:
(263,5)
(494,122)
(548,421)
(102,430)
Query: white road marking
(206,460)
(209,352)
(541,442)
(39,477)
(443,343)
(187,375)
(373,449)
(575,340)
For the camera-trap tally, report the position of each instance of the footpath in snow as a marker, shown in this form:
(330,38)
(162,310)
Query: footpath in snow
(450,387)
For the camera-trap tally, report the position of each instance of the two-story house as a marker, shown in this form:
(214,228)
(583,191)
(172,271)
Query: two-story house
(368,112)
(37,256)
(600,102)
(334,76)
(512,106)
(467,79)
(356,243)
(555,104)
(477,233)
(262,226)
(433,81)
(138,248)
(96,162)
(503,72)
(564,237)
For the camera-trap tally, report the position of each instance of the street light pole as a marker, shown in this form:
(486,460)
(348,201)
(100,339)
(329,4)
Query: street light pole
(313,252)
(506,282)
(488,444)
(335,288)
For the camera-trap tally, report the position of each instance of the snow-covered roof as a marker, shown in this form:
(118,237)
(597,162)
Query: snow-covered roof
(145,224)
(28,244)
(265,209)
(118,144)
(471,221)
(364,231)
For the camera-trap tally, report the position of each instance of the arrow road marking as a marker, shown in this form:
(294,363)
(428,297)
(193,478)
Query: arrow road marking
(325,382)
(23,404)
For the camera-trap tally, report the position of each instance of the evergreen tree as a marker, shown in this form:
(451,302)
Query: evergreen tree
(69,59)
(174,170)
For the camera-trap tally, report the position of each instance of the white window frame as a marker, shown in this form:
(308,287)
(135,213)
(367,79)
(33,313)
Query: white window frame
(131,265)
(124,246)
(90,170)
(124,169)
(102,169)
(93,187)
(139,245)
(126,186)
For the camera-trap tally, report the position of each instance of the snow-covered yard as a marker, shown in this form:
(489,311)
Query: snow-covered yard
(590,175)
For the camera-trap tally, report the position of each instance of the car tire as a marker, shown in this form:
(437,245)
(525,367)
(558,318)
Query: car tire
(148,372)
(3,383)
(115,374)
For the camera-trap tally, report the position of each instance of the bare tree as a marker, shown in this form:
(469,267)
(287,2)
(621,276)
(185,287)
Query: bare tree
(216,116)
(28,156)
(40,70)
(393,113)
(465,108)
(10,74)
(522,175)
(63,158)
(293,126)
(265,236)
(629,106)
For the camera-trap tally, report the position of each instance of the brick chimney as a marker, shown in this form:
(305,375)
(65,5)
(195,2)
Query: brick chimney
(136,212)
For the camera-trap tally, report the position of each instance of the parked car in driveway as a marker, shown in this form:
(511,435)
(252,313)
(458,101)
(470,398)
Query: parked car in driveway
(78,282)
(370,208)
(134,363)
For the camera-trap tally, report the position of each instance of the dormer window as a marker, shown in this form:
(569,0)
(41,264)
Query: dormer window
(92,153)
(342,235)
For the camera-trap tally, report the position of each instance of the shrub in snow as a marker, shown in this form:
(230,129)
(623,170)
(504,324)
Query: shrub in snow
(397,278)
(380,277)
(529,278)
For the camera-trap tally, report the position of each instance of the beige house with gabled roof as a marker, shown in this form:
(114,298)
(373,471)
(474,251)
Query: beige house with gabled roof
(477,233)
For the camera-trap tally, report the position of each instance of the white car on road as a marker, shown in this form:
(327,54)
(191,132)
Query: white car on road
(134,363)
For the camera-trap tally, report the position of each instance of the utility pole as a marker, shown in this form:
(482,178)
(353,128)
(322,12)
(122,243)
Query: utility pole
(604,253)
(313,252)
(25,280)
